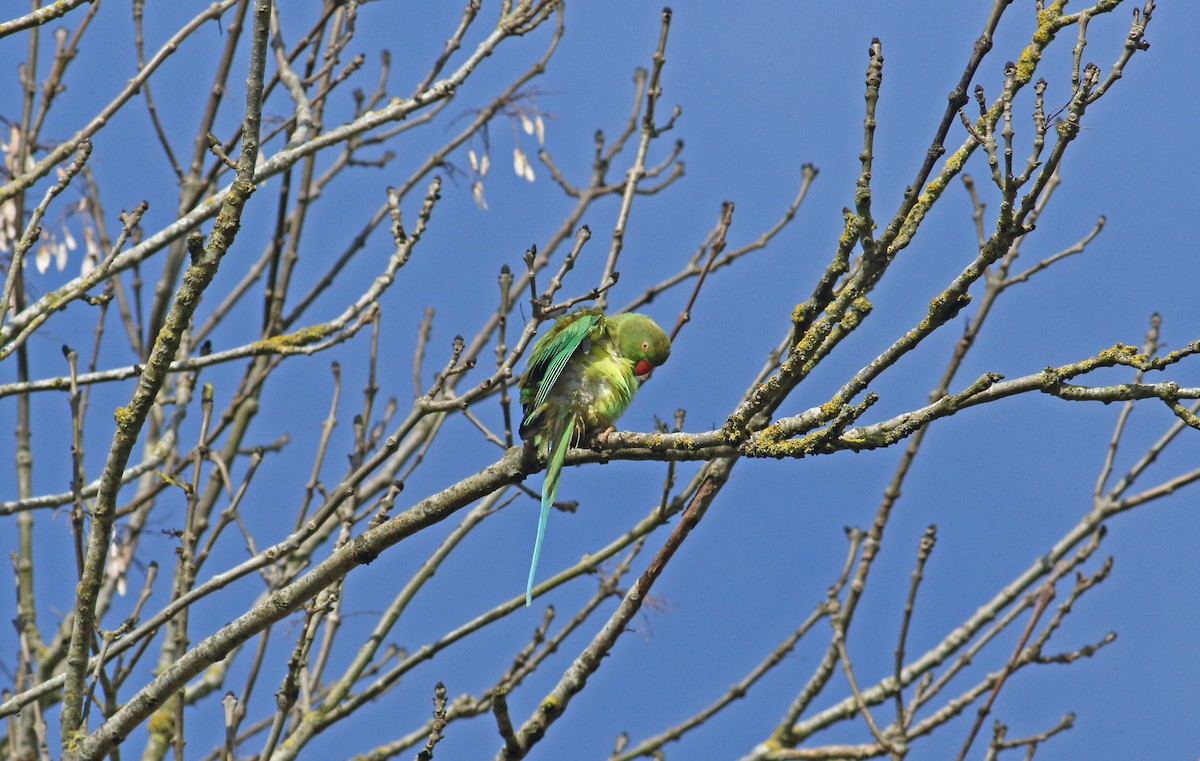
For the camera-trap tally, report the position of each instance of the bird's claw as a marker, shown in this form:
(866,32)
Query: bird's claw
(600,438)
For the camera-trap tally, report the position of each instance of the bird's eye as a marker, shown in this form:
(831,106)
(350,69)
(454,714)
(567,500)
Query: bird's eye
(645,346)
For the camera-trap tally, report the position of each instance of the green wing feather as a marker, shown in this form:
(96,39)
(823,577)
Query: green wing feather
(548,358)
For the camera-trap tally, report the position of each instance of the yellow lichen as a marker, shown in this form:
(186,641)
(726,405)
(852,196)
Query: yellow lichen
(301,337)
(858,309)
(162,721)
(774,742)
(124,416)
(1047,27)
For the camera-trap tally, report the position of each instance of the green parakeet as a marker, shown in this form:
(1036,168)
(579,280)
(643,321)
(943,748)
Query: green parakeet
(579,377)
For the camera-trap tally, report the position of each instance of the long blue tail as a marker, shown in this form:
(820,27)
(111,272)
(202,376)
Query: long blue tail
(559,441)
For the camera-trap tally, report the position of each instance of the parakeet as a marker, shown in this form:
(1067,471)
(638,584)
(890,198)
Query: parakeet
(579,377)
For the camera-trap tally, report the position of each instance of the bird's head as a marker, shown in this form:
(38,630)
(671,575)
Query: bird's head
(644,343)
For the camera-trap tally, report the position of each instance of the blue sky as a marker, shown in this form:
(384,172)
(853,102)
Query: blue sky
(764,88)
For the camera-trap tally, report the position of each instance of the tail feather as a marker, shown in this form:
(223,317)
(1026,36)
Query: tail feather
(558,441)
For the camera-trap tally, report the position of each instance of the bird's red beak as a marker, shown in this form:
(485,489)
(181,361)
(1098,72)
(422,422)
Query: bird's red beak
(642,369)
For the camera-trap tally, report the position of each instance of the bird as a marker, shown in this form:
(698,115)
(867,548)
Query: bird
(579,377)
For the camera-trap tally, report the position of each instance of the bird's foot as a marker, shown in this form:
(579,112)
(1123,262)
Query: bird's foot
(600,438)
